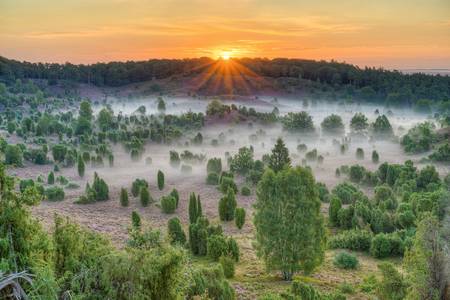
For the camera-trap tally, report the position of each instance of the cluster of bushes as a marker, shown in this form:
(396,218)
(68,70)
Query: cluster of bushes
(98,191)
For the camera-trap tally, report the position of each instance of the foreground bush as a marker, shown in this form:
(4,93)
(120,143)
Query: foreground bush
(345,260)
(168,204)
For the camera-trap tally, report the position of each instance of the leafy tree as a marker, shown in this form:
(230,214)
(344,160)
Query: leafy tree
(359,122)
(105,118)
(239,216)
(124,197)
(86,110)
(279,157)
(175,231)
(382,126)
(227,206)
(160,180)
(420,138)
(333,124)
(242,162)
(290,233)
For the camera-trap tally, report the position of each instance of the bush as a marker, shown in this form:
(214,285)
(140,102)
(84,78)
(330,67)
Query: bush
(391,285)
(245,191)
(51,178)
(227,206)
(333,210)
(135,220)
(24,183)
(239,215)
(227,266)
(214,165)
(54,193)
(345,260)
(124,197)
(168,204)
(359,153)
(323,192)
(174,159)
(357,240)
(13,155)
(216,246)
(212,179)
(375,157)
(160,180)
(144,196)
(386,245)
(175,231)
(174,193)
(356,173)
(137,185)
(346,192)
(227,183)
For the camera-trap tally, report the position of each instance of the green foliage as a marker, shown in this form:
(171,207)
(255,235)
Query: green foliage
(227,264)
(144,196)
(168,204)
(160,180)
(245,191)
(279,157)
(13,155)
(356,173)
(81,167)
(359,153)
(359,122)
(198,235)
(386,245)
(333,210)
(420,138)
(333,124)
(174,193)
(59,152)
(441,154)
(137,185)
(324,194)
(99,191)
(345,260)
(346,192)
(214,165)
(135,219)
(174,159)
(239,216)
(227,206)
(210,283)
(54,193)
(227,183)
(290,234)
(124,197)
(216,246)
(382,127)
(375,157)
(392,285)
(212,179)
(357,240)
(242,162)
(51,178)
(298,122)
(176,232)
(195,208)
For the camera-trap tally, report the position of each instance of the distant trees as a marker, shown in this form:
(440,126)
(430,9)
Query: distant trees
(298,122)
(359,122)
(290,233)
(333,124)
(279,157)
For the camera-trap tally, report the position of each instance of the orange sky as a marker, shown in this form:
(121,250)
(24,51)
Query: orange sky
(393,34)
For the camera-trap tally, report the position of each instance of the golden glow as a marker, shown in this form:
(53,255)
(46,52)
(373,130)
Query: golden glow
(374,33)
(225,55)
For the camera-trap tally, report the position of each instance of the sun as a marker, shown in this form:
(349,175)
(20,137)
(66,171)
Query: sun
(226,55)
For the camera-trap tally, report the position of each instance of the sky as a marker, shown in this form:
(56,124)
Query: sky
(394,34)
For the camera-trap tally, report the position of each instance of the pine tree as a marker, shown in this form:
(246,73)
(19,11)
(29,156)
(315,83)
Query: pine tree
(124,197)
(239,216)
(144,196)
(175,231)
(51,178)
(279,157)
(193,210)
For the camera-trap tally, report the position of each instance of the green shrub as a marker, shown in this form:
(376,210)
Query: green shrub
(144,196)
(212,179)
(359,153)
(168,204)
(226,183)
(356,173)
(13,155)
(323,192)
(239,217)
(227,206)
(51,178)
(216,246)
(174,193)
(124,197)
(333,210)
(175,231)
(227,266)
(135,219)
(345,260)
(174,159)
(392,285)
(24,183)
(386,245)
(375,157)
(214,165)
(357,240)
(137,185)
(160,180)
(245,191)
(54,193)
